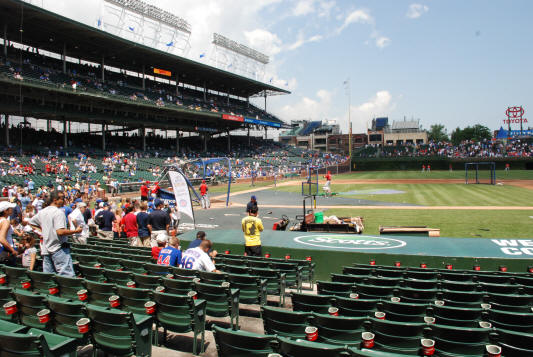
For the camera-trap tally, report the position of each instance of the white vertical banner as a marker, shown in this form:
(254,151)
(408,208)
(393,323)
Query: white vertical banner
(181,192)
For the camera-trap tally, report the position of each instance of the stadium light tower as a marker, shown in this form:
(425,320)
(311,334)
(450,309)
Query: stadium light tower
(149,25)
(347,87)
(232,56)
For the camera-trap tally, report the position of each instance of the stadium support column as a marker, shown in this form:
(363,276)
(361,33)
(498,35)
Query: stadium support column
(205,142)
(229,142)
(64,58)
(177,84)
(205,92)
(265,101)
(103,137)
(144,83)
(248,134)
(143,136)
(102,68)
(265,132)
(6,123)
(65,139)
(177,141)
(5,40)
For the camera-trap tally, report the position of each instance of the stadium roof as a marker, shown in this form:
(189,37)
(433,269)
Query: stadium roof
(405,124)
(50,31)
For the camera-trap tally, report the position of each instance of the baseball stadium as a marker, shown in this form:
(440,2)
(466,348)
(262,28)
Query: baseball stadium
(154,205)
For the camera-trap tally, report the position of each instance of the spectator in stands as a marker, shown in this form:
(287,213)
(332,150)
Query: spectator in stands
(252,204)
(17,211)
(171,254)
(104,220)
(129,225)
(76,220)
(29,256)
(55,249)
(161,242)
(200,237)
(252,228)
(205,196)
(144,192)
(142,226)
(8,253)
(158,221)
(198,259)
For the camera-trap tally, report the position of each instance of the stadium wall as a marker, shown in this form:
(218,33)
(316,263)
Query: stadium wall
(415,163)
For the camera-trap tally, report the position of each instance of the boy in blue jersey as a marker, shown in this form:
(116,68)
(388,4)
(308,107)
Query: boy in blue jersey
(171,254)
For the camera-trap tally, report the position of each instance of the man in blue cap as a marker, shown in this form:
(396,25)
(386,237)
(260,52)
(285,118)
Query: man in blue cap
(251,204)
(158,221)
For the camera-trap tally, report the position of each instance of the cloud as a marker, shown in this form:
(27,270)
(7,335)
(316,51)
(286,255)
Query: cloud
(416,10)
(382,41)
(357,16)
(381,104)
(308,108)
(302,40)
(304,7)
(263,41)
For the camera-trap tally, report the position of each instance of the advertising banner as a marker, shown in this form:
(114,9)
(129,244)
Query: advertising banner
(181,192)
(232,117)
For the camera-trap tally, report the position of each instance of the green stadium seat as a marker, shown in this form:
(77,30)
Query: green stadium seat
(92,273)
(509,301)
(36,343)
(456,316)
(459,341)
(514,343)
(302,348)
(133,299)
(16,276)
(147,281)
(282,322)
(119,332)
(69,286)
(212,278)
(177,286)
(356,307)
(492,278)
(7,326)
(99,293)
(421,275)
(263,264)
(86,259)
(156,269)
(181,273)
(221,300)
(389,273)
(181,314)
(242,343)
(292,271)
(118,277)
(352,279)
(65,314)
(43,283)
(276,283)
(235,269)
(397,337)
(132,266)
(501,288)
(253,289)
(374,291)
(357,271)
(417,296)
(5,296)
(333,288)
(312,303)
(458,285)
(29,304)
(110,263)
(406,312)
(455,276)
(513,321)
(382,281)
(339,330)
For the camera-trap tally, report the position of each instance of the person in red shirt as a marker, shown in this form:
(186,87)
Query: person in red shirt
(144,192)
(327,187)
(156,191)
(205,197)
(129,225)
(161,239)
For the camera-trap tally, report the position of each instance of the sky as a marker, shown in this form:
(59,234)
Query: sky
(450,62)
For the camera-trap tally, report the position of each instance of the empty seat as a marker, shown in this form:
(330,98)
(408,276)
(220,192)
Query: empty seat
(334,288)
(406,312)
(177,286)
(253,289)
(69,286)
(339,330)
(277,321)
(356,307)
(515,343)
(514,321)
(29,304)
(397,337)
(133,299)
(221,300)
(303,348)
(456,316)
(232,343)
(459,341)
(311,302)
(43,283)
(99,293)
(65,314)
(36,343)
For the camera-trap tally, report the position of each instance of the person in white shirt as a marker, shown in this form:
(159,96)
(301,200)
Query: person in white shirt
(76,219)
(198,259)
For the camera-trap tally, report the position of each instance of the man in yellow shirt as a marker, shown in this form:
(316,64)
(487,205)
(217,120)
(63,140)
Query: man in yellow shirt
(252,228)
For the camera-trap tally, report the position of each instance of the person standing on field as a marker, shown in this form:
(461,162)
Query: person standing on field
(252,226)
(205,196)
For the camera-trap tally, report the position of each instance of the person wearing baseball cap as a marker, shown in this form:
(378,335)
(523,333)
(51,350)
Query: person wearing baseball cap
(76,219)
(158,221)
(8,253)
(251,204)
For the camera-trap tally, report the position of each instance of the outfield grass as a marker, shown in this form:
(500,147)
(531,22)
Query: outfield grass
(445,174)
(238,187)
(452,223)
(437,194)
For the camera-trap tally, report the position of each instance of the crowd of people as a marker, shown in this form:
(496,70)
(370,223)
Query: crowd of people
(466,149)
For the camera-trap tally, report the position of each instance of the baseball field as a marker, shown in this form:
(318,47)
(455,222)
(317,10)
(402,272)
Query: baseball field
(438,199)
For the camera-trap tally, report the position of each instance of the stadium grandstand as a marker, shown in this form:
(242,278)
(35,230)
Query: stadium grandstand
(102,274)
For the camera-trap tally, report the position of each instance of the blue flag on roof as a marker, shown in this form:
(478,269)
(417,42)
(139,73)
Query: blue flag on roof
(202,55)
(99,22)
(171,43)
(131,28)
